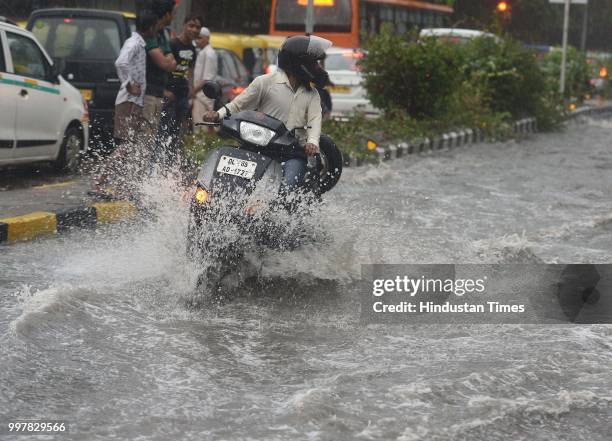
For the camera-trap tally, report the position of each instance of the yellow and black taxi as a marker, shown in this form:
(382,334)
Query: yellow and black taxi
(87,43)
(42,116)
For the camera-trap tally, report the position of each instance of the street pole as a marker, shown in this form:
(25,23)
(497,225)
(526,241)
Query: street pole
(310,17)
(564,55)
(182,11)
(585,23)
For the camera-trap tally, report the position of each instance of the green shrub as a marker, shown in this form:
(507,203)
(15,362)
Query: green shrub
(577,73)
(505,75)
(418,77)
(449,85)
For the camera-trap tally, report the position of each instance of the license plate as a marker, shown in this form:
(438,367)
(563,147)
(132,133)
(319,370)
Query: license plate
(339,89)
(87,94)
(237,167)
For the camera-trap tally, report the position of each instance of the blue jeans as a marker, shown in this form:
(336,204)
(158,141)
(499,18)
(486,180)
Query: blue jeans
(294,171)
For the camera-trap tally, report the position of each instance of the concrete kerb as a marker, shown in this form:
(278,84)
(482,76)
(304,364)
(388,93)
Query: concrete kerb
(449,140)
(581,114)
(46,223)
(463,137)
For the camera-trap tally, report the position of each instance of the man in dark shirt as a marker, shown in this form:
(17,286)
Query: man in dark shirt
(176,107)
(160,62)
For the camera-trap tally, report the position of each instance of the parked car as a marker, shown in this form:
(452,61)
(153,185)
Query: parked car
(87,43)
(454,35)
(232,75)
(42,117)
(347,92)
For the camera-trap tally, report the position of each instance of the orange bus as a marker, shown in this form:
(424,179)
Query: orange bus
(344,22)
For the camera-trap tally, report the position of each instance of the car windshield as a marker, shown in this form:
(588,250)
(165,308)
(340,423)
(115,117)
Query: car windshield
(78,37)
(254,60)
(272,55)
(131,24)
(343,61)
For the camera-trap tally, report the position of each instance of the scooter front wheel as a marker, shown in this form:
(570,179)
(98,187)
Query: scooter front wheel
(331,158)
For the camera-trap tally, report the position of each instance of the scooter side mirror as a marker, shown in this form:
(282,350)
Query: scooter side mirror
(212,90)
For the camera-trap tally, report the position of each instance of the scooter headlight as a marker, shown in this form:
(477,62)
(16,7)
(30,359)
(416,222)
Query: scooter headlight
(255,134)
(201,196)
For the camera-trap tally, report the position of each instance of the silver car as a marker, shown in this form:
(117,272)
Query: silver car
(347,92)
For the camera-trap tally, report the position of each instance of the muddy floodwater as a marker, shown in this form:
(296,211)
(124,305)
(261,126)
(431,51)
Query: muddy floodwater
(95,329)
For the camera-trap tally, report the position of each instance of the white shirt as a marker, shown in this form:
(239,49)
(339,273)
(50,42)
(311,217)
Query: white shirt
(206,65)
(273,95)
(131,65)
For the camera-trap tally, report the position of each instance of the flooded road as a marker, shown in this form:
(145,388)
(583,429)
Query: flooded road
(95,328)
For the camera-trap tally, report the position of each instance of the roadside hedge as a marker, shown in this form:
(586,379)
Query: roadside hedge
(577,72)
(418,78)
(505,74)
(430,79)
(426,87)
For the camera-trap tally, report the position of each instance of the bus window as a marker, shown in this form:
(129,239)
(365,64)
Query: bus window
(401,21)
(363,25)
(334,18)
(371,14)
(330,16)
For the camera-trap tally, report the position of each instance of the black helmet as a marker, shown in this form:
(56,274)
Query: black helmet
(300,56)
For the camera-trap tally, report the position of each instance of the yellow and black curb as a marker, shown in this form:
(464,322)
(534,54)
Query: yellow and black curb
(450,140)
(463,137)
(47,223)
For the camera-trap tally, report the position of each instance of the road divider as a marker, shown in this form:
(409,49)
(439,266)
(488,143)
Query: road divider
(445,141)
(43,223)
(464,137)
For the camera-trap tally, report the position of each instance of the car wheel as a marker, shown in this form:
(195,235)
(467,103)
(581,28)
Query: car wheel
(68,158)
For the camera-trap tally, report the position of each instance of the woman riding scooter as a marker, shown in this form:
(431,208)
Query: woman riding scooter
(287,95)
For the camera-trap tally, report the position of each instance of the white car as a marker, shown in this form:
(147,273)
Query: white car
(454,35)
(347,92)
(42,117)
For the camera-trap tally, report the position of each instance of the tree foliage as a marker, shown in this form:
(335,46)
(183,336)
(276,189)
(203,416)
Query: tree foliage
(506,75)
(487,78)
(417,77)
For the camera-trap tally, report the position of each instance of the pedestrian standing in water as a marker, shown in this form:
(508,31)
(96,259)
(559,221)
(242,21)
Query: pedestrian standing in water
(160,62)
(205,70)
(128,118)
(176,109)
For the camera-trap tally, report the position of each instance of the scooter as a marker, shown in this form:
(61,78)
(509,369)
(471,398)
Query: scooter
(241,200)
